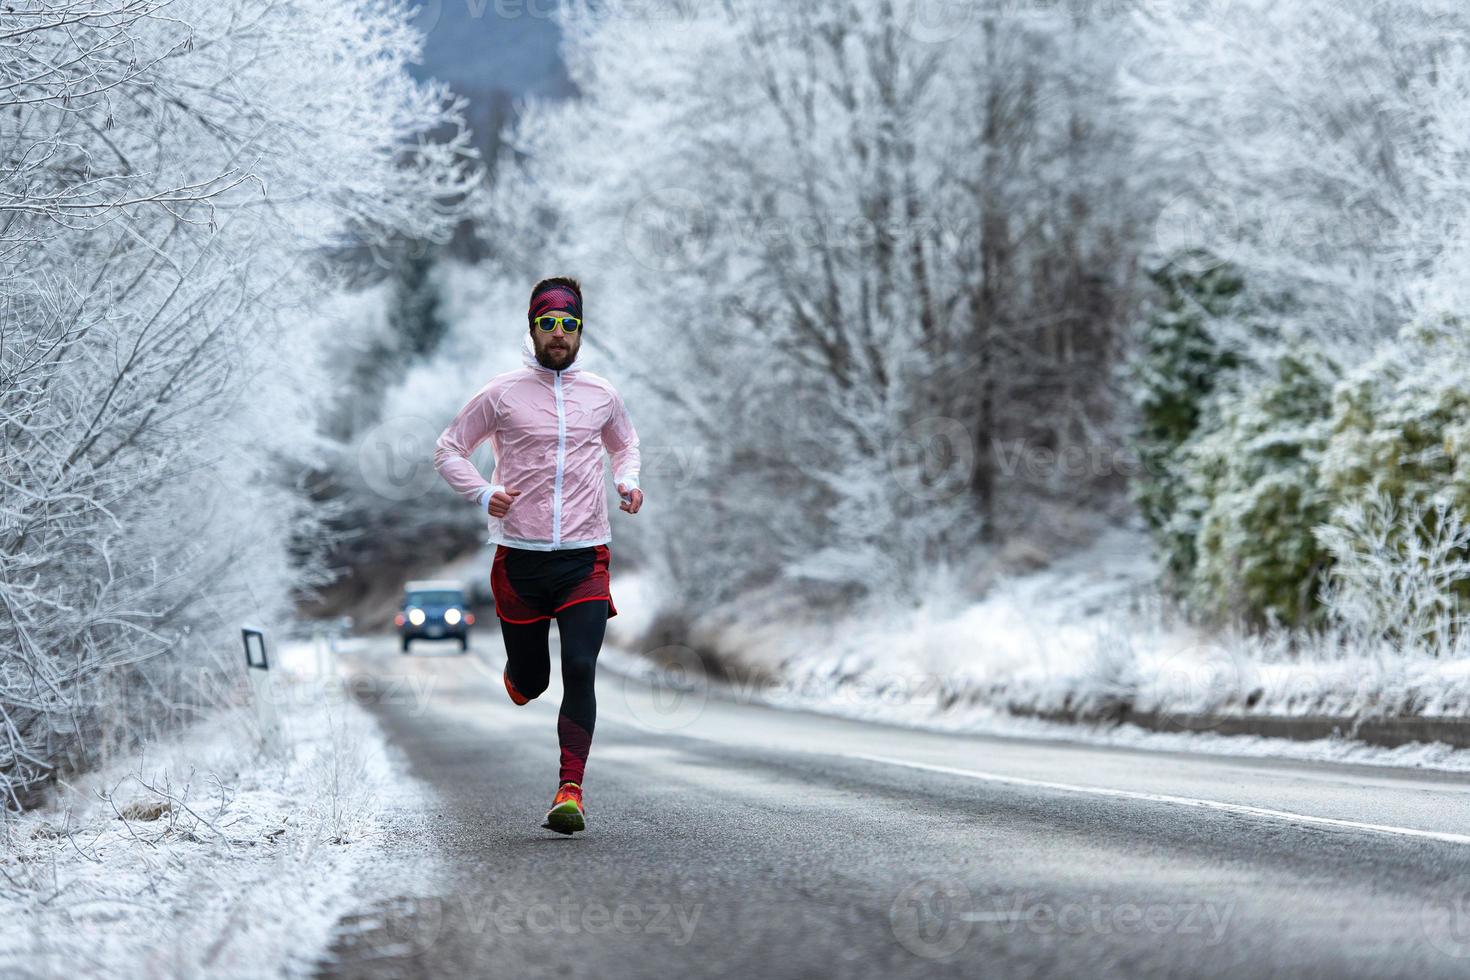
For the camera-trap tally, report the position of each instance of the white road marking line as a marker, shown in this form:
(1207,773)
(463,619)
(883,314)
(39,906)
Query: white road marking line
(1128,794)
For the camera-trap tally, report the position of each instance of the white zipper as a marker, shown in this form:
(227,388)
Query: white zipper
(561,463)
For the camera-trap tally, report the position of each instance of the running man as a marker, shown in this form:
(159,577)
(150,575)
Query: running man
(548,423)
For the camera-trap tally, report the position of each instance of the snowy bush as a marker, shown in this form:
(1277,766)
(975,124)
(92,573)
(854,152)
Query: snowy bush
(172,170)
(1289,475)
(1401,421)
(1398,574)
(1397,466)
(1317,149)
(1253,495)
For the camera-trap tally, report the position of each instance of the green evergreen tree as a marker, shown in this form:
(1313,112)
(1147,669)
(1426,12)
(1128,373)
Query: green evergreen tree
(1176,367)
(1254,495)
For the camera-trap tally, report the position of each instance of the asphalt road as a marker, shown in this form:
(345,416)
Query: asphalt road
(728,839)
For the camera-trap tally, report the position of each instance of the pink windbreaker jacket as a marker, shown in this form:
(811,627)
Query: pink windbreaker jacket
(548,430)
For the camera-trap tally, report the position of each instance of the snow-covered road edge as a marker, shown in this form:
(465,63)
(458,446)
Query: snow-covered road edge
(243,873)
(1056,654)
(857,703)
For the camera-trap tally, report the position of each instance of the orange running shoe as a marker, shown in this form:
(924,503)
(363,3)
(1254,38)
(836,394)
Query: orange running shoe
(566,815)
(510,689)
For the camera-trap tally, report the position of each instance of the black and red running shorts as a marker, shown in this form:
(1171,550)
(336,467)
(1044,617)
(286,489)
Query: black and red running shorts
(534,585)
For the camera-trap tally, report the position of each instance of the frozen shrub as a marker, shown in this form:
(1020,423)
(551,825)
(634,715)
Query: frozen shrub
(1254,496)
(1398,471)
(1401,421)
(1398,573)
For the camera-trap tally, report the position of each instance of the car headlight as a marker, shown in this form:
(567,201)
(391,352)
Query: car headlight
(416,616)
(451,616)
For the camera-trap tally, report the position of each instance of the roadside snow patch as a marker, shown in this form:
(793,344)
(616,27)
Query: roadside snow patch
(203,856)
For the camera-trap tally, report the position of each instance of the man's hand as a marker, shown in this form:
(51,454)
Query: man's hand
(631,500)
(501,500)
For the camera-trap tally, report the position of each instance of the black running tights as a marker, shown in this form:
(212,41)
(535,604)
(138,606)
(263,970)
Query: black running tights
(528,660)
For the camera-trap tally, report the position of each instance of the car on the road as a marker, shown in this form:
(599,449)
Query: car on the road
(434,610)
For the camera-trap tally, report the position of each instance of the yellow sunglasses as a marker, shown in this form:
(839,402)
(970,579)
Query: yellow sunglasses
(569,324)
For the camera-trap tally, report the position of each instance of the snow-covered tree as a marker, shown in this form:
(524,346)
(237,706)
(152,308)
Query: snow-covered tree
(1318,149)
(1253,496)
(1175,367)
(172,169)
(414,314)
(1401,421)
(845,264)
(1316,146)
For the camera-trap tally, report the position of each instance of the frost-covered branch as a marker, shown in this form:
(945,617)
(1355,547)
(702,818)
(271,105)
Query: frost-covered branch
(172,173)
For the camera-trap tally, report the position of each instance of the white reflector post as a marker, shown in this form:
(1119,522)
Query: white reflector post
(257,668)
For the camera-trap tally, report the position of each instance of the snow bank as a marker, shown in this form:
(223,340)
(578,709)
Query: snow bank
(1086,639)
(204,855)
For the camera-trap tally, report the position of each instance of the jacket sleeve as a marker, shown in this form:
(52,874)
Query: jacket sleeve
(621,439)
(473,425)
